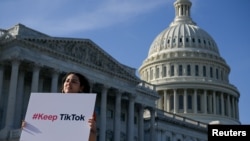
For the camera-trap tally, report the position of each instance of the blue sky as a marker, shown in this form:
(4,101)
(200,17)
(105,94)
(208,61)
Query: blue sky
(126,28)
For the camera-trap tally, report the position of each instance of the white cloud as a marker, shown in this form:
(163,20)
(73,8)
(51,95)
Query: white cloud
(65,16)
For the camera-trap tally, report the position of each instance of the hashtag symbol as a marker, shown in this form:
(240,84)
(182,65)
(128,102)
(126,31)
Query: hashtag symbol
(35,116)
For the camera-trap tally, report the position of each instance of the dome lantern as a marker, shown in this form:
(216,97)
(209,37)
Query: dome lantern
(182,12)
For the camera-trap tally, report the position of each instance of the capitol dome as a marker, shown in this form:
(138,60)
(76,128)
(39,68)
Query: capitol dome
(183,37)
(191,77)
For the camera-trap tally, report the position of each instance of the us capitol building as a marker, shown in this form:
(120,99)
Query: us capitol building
(183,84)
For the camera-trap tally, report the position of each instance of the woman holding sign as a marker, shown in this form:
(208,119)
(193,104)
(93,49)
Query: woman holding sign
(77,83)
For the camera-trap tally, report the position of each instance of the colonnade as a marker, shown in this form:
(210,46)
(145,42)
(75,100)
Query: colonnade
(199,101)
(13,110)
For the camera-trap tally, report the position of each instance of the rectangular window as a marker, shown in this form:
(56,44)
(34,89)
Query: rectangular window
(196,70)
(217,74)
(171,102)
(164,71)
(199,103)
(193,40)
(180,70)
(211,72)
(204,71)
(172,70)
(181,102)
(188,70)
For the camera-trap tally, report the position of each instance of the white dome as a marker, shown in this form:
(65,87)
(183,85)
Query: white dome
(183,35)
(188,72)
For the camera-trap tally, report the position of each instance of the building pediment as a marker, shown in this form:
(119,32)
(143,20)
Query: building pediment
(82,51)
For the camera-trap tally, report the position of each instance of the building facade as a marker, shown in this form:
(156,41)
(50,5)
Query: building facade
(35,62)
(159,106)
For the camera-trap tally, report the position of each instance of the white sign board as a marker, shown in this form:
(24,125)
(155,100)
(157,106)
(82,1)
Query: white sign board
(58,117)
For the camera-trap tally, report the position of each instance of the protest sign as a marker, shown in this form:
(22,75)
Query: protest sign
(58,117)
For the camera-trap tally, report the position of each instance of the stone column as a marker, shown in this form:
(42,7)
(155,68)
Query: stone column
(131,112)
(214,103)
(237,108)
(228,105)
(35,78)
(210,104)
(205,101)
(175,101)
(12,95)
(19,102)
(160,101)
(54,83)
(168,70)
(168,101)
(103,117)
(117,116)
(1,79)
(165,100)
(141,123)
(160,71)
(1,91)
(222,104)
(233,107)
(195,101)
(152,124)
(185,101)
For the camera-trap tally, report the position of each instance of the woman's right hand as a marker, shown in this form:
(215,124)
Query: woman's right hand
(23,124)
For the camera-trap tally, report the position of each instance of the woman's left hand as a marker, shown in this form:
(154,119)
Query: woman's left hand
(92,124)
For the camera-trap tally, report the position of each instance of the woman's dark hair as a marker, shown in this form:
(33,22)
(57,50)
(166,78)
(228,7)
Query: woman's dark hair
(83,81)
